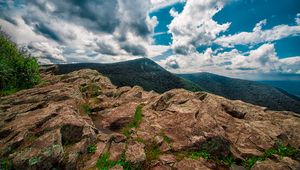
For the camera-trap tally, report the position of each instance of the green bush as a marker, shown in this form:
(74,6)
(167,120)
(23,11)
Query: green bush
(18,70)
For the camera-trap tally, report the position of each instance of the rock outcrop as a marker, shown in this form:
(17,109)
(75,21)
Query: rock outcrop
(81,120)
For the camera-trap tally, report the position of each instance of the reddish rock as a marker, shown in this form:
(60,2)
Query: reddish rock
(45,127)
(116,150)
(135,153)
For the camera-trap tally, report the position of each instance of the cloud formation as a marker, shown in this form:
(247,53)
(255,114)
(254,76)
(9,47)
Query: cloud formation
(194,26)
(258,35)
(264,59)
(92,28)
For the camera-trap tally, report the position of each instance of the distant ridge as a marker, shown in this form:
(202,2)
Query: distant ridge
(149,75)
(247,91)
(142,72)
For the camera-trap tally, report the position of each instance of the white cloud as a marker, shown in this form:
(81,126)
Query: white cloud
(57,31)
(297,19)
(159,4)
(264,59)
(194,26)
(259,35)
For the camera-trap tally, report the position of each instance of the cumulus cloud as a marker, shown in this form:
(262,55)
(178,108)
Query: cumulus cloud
(195,26)
(97,29)
(158,4)
(172,63)
(258,35)
(297,19)
(264,59)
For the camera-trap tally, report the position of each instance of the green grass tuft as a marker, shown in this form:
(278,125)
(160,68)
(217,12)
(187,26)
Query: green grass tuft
(86,108)
(92,149)
(34,160)
(6,164)
(280,149)
(152,152)
(166,138)
(198,154)
(104,163)
(137,117)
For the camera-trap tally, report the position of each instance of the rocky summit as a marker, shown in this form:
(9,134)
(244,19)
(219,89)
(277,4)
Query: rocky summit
(80,120)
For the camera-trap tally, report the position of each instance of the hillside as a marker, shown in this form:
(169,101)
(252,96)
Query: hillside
(292,87)
(82,121)
(142,72)
(247,91)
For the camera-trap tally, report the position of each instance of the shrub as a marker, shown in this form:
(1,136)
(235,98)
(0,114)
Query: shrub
(18,70)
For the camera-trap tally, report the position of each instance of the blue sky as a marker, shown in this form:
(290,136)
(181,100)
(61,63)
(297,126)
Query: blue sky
(243,15)
(250,39)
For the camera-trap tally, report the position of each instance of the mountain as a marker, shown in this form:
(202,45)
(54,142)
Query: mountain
(80,120)
(292,87)
(142,72)
(247,91)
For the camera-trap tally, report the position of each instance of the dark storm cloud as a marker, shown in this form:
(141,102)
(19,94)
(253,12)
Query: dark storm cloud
(133,49)
(105,48)
(134,23)
(90,29)
(98,15)
(47,32)
(245,68)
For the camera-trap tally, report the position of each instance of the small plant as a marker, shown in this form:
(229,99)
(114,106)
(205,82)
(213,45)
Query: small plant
(152,152)
(140,140)
(137,117)
(104,163)
(166,138)
(126,131)
(281,150)
(92,149)
(86,108)
(6,164)
(198,154)
(34,160)
(228,161)
(135,123)
(249,162)
(286,151)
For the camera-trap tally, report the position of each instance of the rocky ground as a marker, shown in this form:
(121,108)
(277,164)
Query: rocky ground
(81,121)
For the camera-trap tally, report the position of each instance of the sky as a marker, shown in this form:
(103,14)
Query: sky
(249,39)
